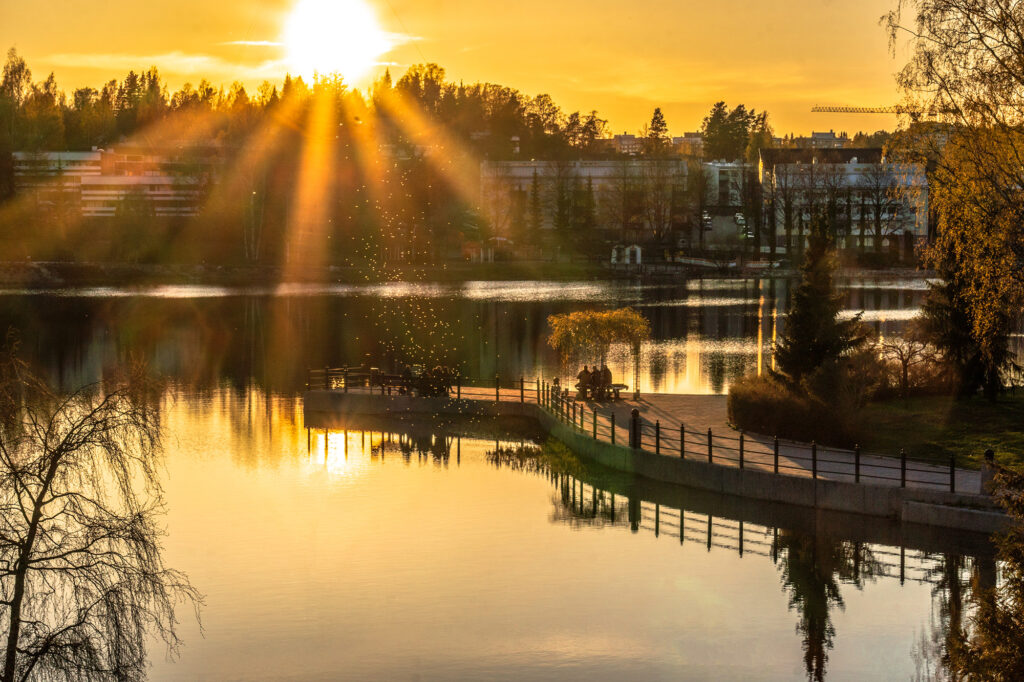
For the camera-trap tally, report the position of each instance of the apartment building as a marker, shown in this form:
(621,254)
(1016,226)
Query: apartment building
(102,183)
(877,205)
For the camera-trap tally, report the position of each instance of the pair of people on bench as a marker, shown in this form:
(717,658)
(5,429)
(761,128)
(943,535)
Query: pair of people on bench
(595,385)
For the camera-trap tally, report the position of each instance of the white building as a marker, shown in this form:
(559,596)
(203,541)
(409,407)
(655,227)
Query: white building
(97,183)
(876,205)
(632,194)
(159,195)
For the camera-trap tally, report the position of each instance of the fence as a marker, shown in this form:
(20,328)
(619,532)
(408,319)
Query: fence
(677,440)
(586,501)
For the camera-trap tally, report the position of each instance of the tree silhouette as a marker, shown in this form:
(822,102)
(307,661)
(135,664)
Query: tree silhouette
(82,581)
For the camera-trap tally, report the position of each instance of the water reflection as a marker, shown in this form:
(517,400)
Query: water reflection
(705,333)
(819,556)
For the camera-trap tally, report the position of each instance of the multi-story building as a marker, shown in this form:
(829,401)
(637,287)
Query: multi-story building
(874,204)
(106,196)
(690,144)
(637,196)
(823,140)
(100,183)
(628,144)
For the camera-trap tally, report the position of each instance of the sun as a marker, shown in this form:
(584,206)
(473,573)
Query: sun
(334,36)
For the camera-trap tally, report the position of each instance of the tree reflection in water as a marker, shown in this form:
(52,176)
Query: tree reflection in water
(976,630)
(989,644)
(813,565)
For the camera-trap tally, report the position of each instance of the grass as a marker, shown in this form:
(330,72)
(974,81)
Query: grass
(937,427)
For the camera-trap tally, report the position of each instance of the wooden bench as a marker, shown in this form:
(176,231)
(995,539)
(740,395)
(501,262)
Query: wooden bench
(616,389)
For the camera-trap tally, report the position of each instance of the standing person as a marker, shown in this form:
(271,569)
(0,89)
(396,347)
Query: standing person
(583,383)
(606,379)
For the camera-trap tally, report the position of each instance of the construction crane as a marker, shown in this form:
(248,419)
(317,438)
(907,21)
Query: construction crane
(913,112)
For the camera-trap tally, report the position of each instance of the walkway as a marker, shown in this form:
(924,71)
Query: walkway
(698,413)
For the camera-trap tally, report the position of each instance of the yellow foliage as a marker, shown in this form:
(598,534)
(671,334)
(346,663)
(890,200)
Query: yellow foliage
(589,334)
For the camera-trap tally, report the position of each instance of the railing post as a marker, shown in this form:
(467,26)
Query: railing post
(613,428)
(814,459)
(344,378)
(856,463)
(537,386)
(497,388)
(741,449)
(327,378)
(657,437)
(709,445)
(634,429)
(775,447)
(952,473)
(458,387)
(574,413)
(682,441)
(522,390)
(593,414)
(903,468)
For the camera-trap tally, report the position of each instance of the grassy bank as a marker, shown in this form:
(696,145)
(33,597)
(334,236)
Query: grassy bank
(939,427)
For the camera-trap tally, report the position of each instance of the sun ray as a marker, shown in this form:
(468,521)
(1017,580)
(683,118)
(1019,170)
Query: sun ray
(459,166)
(307,228)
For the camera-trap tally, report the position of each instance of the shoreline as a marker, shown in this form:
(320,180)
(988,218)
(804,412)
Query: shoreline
(917,504)
(64,275)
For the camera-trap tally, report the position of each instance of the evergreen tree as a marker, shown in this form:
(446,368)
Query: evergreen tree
(727,132)
(656,139)
(814,335)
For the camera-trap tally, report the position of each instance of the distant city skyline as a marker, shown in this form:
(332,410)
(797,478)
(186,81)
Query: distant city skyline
(622,59)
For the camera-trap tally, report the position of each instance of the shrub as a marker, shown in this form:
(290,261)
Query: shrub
(766,406)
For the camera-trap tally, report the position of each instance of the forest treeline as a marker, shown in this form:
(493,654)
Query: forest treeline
(319,171)
(347,176)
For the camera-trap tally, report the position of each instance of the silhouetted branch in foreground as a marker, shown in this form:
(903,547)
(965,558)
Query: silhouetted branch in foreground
(82,582)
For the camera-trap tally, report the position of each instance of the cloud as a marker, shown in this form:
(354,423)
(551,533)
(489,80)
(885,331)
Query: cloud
(394,39)
(178,63)
(254,43)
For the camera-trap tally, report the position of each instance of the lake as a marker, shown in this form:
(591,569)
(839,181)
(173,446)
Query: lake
(348,550)
(705,333)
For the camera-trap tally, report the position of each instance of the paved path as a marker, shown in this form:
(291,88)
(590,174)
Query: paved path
(698,413)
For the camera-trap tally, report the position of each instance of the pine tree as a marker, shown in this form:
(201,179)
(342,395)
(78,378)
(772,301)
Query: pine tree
(656,134)
(814,334)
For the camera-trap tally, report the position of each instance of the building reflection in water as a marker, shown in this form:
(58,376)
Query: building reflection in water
(705,333)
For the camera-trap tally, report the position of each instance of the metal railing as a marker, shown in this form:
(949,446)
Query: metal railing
(599,422)
(587,501)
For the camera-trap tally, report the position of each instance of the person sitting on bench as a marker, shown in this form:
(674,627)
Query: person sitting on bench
(595,384)
(606,379)
(582,383)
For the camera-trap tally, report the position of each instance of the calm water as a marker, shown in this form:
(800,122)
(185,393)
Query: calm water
(327,554)
(357,555)
(705,333)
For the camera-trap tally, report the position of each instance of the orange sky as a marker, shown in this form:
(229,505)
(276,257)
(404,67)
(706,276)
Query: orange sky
(622,58)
